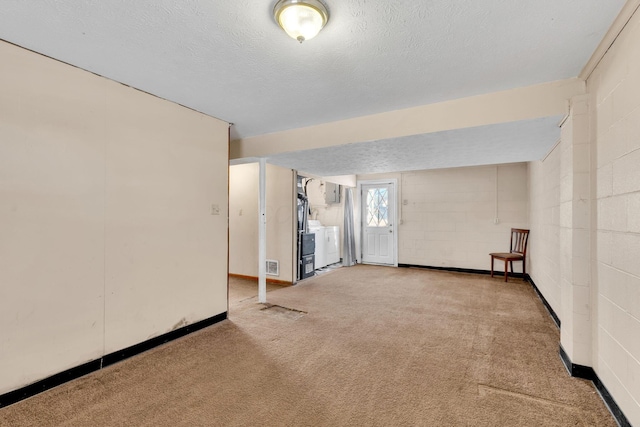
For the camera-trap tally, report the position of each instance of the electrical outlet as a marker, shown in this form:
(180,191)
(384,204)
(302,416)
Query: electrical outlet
(215,209)
(496,221)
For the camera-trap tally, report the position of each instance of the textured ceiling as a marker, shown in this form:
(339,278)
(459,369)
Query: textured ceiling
(228,58)
(509,143)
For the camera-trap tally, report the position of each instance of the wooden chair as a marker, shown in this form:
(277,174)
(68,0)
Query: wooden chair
(518,251)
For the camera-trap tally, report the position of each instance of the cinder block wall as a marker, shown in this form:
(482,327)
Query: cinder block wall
(615,116)
(544,247)
(448,214)
(598,301)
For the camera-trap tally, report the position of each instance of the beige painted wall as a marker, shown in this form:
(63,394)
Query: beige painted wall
(447,215)
(243,220)
(544,214)
(106,236)
(615,117)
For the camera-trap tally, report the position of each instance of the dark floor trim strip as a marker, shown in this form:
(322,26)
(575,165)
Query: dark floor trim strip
(611,403)
(496,273)
(579,371)
(95,365)
(587,373)
(48,383)
(120,355)
(551,311)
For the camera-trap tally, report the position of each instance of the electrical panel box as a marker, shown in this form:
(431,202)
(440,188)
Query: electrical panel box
(332,193)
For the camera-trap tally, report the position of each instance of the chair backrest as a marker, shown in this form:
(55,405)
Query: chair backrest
(519,240)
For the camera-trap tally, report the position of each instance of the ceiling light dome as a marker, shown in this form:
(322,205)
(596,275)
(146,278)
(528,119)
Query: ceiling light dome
(301,19)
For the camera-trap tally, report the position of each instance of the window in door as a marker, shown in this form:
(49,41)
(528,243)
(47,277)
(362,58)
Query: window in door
(377,207)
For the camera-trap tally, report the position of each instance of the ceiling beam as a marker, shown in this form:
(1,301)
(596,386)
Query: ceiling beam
(523,103)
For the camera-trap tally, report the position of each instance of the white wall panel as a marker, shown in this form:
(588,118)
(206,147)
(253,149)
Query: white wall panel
(51,218)
(106,237)
(166,254)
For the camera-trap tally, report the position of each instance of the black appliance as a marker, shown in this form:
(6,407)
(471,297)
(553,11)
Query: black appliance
(307,255)
(306,241)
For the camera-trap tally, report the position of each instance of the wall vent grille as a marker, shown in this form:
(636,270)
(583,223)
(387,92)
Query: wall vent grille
(273,267)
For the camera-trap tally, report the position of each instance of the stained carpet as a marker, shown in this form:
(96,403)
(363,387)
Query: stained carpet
(374,346)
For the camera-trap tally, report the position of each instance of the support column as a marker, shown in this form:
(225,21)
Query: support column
(262,233)
(575,236)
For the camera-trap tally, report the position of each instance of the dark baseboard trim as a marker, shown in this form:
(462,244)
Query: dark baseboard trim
(496,273)
(95,365)
(611,403)
(546,304)
(579,371)
(48,383)
(587,373)
(128,352)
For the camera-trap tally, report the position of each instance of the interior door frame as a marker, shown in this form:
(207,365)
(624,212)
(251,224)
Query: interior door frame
(394,226)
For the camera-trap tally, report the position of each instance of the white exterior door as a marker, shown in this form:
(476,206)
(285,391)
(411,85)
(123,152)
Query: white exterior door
(378,223)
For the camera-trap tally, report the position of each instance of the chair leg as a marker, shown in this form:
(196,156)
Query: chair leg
(506,269)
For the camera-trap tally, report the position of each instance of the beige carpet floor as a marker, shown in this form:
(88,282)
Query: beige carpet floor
(360,346)
(244,289)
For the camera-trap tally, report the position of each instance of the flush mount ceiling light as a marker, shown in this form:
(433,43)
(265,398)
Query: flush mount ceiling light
(301,19)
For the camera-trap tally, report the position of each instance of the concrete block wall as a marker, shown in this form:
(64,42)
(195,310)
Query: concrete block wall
(544,247)
(448,215)
(575,238)
(614,87)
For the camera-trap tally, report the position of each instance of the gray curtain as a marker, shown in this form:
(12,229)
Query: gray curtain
(349,244)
